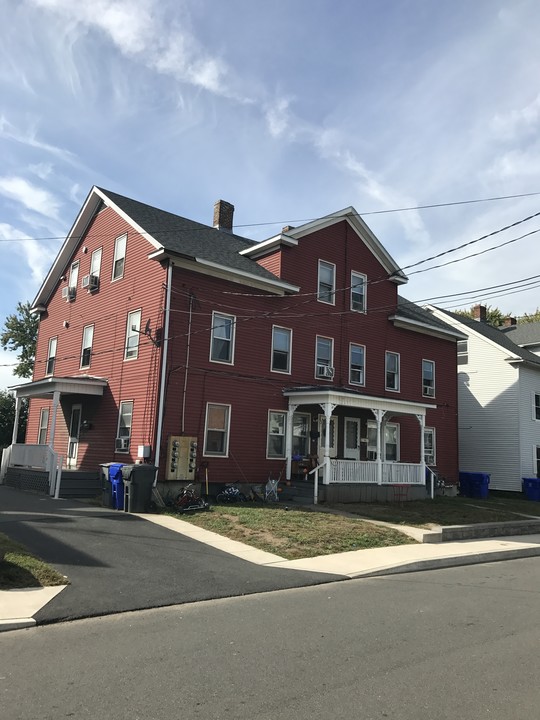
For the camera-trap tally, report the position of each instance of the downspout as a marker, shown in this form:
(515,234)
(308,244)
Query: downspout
(188,345)
(163,366)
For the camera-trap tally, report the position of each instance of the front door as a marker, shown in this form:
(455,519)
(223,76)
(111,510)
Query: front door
(74,431)
(352,439)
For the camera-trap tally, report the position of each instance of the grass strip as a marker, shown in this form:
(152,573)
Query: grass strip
(20,568)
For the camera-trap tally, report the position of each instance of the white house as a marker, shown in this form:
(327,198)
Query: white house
(498,399)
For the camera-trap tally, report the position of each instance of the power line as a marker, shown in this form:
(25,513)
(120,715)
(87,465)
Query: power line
(301,220)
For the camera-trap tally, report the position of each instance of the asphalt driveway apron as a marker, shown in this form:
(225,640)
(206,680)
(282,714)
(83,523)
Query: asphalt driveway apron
(118,562)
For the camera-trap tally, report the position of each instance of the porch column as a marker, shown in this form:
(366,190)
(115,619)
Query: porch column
(422,421)
(327,409)
(16,423)
(56,402)
(288,439)
(379,414)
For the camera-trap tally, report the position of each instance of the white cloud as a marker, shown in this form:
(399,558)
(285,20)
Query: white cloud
(37,255)
(32,197)
(42,170)
(10,132)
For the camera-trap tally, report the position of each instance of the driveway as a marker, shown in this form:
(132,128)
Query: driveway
(118,562)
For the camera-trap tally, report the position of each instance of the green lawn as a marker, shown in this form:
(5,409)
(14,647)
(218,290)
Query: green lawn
(294,533)
(21,569)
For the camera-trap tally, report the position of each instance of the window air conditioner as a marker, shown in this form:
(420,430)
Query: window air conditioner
(429,391)
(90,282)
(122,443)
(68,293)
(324,371)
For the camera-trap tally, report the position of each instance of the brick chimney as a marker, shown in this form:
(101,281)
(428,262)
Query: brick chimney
(223,215)
(480,313)
(509,322)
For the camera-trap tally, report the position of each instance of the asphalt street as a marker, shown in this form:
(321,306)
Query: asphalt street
(118,562)
(438,645)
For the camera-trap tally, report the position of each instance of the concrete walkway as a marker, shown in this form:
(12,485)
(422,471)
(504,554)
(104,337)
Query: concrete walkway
(18,608)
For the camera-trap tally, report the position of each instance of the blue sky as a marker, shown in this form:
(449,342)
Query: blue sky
(289,109)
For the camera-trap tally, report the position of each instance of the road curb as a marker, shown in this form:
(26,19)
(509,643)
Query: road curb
(16,624)
(447,562)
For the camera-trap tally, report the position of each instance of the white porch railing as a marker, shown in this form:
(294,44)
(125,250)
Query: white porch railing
(363,471)
(37,457)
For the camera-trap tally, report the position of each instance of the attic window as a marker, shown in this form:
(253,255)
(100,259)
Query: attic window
(462,352)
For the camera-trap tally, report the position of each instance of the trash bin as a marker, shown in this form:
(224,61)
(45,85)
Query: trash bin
(138,484)
(531,488)
(117,485)
(106,486)
(474,484)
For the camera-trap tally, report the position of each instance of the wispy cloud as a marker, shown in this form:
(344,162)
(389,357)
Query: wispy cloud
(10,132)
(30,196)
(35,253)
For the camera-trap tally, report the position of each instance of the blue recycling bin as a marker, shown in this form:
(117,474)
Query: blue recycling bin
(474,484)
(531,488)
(117,485)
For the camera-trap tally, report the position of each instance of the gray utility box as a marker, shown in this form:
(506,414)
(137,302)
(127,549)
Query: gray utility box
(138,484)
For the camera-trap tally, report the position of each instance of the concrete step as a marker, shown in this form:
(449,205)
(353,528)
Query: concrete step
(450,533)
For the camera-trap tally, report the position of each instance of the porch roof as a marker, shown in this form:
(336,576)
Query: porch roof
(315,395)
(73,385)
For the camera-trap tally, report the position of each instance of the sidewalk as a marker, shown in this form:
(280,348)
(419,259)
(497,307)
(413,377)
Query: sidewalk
(18,607)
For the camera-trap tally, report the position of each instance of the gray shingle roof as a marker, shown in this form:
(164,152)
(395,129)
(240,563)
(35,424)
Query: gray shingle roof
(496,336)
(190,239)
(411,311)
(524,333)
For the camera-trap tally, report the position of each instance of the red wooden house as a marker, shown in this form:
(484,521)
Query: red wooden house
(167,341)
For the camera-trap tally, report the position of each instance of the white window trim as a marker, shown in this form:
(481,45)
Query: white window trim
(269,435)
(373,448)
(98,252)
(43,427)
(132,333)
(125,402)
(332,301)
(51,356)
(351,381)
(386,354)
(364,285)
(117,257)
(536,460)
(330,362)
(225,454)
(84,347)
(74,275)
(534,396)
(434,441)
(425,394)
(232,340)
(289,355)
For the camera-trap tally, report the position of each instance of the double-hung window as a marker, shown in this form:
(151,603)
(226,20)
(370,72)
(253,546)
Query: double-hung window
(222,342)
(389,441)
(281,349)
(428,378)
(73,276)
(462,352)
(216,431)
(87,340)
(125,420)
(392,371)
(324,357)
(277,423)
(95,262)
(536,406)
(358,292)
(43,426)
(429,446)
(357,364)
(132,335)
(119,259)
(51,356)
(327,282)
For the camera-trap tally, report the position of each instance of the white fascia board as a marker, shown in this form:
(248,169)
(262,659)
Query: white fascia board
(417,326)
(73,238)
(206,267)
(359,226)
(266,246)
(470,331)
